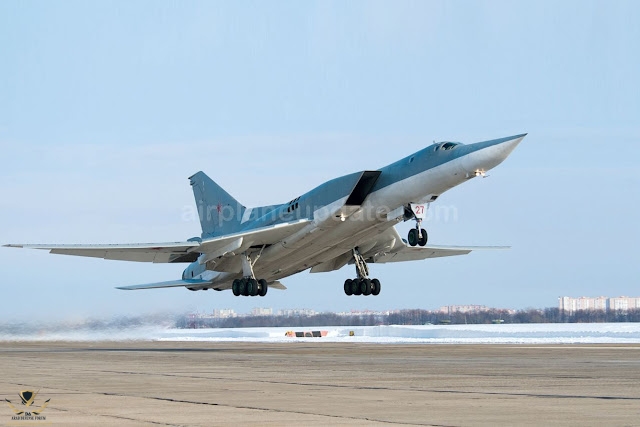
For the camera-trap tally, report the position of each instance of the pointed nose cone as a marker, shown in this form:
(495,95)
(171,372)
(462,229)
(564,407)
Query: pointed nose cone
(503,149)
(489,154)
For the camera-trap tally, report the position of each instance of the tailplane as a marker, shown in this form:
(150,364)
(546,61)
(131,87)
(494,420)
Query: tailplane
(219,212)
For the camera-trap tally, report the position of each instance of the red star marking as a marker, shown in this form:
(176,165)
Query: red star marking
(219,208)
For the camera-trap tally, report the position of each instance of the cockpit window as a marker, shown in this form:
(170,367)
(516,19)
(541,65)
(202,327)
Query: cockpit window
(446,146)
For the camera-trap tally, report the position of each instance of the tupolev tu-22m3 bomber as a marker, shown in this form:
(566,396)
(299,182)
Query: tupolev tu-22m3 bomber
(347,220)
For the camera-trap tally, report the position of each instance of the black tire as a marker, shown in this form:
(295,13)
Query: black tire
(412,238)
(355,287)
(375,285)
(365,287)
(242,287)
(347,287)
(423,237)
(252,287)
(235,287)
(264,287)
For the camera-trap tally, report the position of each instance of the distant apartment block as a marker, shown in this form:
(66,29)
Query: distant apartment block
(262,312)
(470,308)
(297,312)
(224,313)
(366,313)
(570,304)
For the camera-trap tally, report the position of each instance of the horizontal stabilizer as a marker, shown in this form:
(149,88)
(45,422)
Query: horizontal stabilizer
(169,284)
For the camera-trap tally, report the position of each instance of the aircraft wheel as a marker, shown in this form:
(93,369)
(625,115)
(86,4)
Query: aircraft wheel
(375,287)
(264,287)
(347,287)
(365,286)
(235,287)
(412,238)
(355,287)
(423,239)
(242,287)
(252,287)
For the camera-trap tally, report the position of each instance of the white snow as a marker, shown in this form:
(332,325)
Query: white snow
(429,334)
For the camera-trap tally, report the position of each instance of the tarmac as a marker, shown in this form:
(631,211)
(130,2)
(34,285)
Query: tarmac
(319,383)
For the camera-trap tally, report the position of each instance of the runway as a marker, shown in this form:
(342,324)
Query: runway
(303,383)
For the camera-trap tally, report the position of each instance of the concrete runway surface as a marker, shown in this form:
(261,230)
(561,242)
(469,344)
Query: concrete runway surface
(307,383)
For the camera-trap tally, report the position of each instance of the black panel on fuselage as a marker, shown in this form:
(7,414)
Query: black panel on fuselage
(363,188)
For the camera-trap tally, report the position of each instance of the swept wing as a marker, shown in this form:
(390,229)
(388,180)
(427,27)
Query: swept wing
(175,252)
(388,246)
(400,251)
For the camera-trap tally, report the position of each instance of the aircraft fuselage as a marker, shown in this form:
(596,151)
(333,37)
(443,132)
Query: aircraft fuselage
(343,216)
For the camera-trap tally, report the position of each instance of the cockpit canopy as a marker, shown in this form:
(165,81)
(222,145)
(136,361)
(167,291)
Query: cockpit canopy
(446,146)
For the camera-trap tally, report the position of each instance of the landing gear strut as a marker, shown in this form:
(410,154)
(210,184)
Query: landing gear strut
(418,235)
(361,285)
(248,285)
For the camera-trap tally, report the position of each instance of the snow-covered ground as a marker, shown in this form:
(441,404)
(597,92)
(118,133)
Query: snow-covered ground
(428,334)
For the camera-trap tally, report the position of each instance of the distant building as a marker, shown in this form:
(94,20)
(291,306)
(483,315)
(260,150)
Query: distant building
(297,312)
(224,313)
(262,312)
(570,304)
(366,313)
(469,308)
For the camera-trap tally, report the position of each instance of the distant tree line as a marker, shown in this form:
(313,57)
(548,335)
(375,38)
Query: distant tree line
(415,317)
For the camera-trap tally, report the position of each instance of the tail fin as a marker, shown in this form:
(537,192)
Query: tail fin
(219,212)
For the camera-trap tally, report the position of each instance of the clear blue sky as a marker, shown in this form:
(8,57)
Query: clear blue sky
(107,107)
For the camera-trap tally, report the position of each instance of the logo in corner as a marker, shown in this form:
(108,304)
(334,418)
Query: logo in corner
(29,411)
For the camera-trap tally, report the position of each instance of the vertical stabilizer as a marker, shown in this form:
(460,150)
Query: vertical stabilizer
(219,212)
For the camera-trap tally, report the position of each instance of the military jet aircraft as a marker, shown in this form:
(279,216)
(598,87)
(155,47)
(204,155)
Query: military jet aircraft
(347,220)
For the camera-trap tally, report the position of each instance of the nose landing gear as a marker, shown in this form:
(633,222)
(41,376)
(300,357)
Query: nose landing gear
(418,235)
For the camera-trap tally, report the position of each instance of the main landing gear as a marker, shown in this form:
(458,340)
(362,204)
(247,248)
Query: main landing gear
(248,285)
(361,285)
(418,235)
